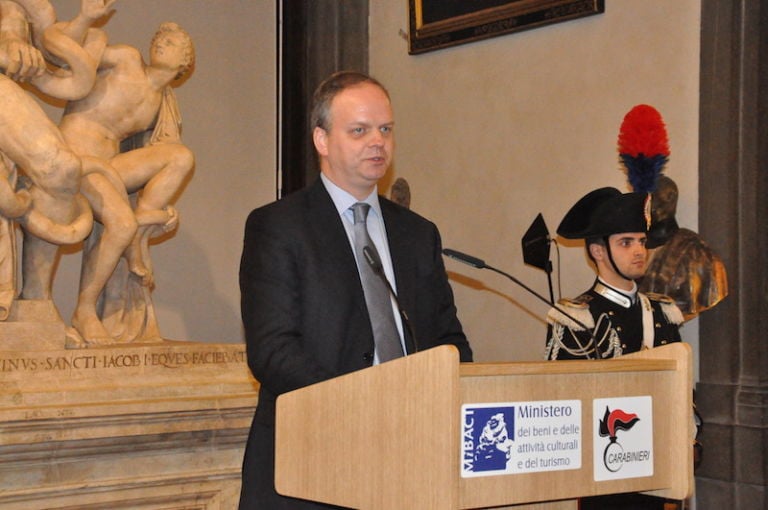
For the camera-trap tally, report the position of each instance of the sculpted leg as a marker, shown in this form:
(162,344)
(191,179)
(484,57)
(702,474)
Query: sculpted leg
(50,222)
(52,180)
(158,171)
(101,254)
(38,262)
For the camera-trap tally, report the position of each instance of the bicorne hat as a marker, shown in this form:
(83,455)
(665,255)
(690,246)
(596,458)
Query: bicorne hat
(607,211)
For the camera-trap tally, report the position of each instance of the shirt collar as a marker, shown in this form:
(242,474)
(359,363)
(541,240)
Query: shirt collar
(343,200)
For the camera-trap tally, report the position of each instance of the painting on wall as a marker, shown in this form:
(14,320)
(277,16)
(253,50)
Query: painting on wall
(436,24)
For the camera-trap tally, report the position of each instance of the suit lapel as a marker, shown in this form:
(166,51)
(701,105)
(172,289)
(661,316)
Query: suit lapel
(329,235)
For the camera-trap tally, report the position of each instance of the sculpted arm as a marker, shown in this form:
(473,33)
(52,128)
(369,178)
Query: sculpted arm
(18,58)
(90,11)
(80,47)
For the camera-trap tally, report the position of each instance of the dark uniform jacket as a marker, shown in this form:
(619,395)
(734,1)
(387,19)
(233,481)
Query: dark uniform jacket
(617,323)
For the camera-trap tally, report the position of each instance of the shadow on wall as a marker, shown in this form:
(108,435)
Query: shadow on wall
(207,316)
(465,281)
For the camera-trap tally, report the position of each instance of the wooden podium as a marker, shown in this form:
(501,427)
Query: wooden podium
(400,434)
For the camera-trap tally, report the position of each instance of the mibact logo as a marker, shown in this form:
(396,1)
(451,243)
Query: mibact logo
(505,438)
(488,438)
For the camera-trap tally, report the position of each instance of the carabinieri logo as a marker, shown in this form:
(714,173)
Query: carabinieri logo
(623,438)
(614,456)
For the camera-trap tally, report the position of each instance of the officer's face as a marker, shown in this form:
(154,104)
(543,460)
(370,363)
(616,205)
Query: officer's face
(629,253)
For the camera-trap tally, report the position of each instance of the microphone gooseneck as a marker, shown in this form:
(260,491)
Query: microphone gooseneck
(480,264)
(373,260)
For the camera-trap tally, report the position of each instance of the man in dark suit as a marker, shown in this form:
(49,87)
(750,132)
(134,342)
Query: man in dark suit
(303,304)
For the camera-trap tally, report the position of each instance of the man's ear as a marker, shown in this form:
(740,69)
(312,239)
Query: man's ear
(597,251)
(320,139)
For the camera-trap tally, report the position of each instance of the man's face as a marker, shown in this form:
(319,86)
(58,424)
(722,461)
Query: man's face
(169,50)
(629,253)
(356,150)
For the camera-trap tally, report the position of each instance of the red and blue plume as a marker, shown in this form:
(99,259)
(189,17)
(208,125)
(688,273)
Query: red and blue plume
(643,147)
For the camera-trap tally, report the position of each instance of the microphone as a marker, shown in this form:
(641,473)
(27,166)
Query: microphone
(480,264)
(463,257)
(373,260)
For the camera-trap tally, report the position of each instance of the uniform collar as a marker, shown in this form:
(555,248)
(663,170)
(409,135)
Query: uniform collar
(622,298)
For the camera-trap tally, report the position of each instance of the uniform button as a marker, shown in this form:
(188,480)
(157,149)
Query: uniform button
(623,346)
(611,313)
(618,328)
(658,324)
(663,342)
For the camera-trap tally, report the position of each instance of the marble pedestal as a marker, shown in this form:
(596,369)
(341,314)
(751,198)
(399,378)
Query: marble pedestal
(160,426)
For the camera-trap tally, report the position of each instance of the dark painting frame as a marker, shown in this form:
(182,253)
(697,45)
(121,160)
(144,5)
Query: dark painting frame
(436,24)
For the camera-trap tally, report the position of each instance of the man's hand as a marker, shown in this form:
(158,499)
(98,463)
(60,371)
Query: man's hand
(21,60)
(95,9)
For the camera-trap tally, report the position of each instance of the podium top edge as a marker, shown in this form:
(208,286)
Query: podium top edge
(567,367)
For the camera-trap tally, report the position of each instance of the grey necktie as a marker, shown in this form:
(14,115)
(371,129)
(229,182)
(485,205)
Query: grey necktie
(377,298)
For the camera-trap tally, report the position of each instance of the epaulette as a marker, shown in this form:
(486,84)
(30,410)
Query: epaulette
(577,308)
(668,306)
(577,302)
(661,298)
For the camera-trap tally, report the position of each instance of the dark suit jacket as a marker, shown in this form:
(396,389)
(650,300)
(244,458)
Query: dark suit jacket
(304,311)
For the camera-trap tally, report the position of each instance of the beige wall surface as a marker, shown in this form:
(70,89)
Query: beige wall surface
(228,108)
(491,133)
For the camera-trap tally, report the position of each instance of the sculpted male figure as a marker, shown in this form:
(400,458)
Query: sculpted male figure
(48,209)
(129,97)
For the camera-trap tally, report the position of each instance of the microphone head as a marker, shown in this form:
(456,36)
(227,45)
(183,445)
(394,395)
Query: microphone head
(463,257)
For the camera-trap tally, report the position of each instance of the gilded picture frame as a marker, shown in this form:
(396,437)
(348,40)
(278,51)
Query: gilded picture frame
(436,24)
